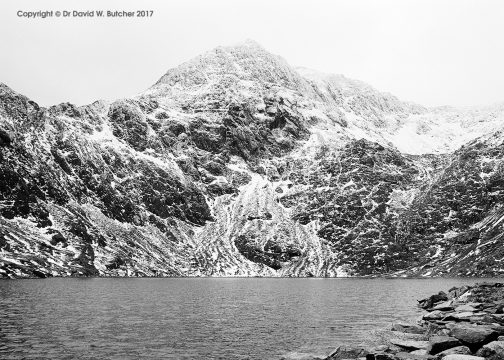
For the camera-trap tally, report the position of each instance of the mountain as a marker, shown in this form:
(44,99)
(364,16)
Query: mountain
(237,164)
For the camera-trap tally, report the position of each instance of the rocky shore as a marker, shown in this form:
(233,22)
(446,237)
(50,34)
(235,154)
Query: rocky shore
(467,323)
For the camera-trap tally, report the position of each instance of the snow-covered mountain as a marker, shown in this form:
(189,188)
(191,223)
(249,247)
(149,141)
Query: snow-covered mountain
(236,164)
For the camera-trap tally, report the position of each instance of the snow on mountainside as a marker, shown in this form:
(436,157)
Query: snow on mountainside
(445,129)
(411,128)
(236,164)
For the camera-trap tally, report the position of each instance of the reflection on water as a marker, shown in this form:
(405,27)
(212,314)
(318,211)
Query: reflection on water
(199,318)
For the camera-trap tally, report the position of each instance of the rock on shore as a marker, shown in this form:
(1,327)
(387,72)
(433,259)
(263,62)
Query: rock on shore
(466,323)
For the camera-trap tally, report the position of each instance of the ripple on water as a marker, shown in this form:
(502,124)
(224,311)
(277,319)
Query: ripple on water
(232,318)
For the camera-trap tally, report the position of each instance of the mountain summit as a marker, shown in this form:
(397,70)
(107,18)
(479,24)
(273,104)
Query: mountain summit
(247,61)
(236,164)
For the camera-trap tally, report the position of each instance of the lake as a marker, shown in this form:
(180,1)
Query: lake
(200,318)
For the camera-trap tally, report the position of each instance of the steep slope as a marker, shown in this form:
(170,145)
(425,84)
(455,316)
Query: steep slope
(74,197)
(236,164)
(456,223)
(131,174)
(356,195)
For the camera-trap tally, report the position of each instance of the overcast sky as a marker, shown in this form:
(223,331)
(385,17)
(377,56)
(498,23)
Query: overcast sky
(430,52)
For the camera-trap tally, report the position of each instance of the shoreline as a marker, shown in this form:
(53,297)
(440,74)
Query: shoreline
(387,277)
(466,323)
(485,278)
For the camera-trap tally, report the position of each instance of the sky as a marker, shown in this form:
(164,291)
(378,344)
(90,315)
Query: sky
(432,52)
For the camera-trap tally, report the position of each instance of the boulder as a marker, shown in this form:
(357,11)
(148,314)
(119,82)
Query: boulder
(427,303)
(492,351)
(460,316)
(444,306)
(347,352)
(473,336)
(462,357)
(435,315)
(410,344)
(461,350)
(438,344)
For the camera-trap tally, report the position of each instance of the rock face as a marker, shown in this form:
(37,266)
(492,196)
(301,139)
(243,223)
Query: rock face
(439,344)
(493,350)
(473,336)
(237,164)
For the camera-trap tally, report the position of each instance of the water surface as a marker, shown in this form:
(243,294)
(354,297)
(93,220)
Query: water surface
(230,318)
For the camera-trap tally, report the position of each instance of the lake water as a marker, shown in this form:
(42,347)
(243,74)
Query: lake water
(230,318)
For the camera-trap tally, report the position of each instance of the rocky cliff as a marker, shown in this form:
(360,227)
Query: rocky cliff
(237,164)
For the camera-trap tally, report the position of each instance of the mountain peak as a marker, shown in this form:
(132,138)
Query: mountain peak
(4,88)
(271,171)
(243,68)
